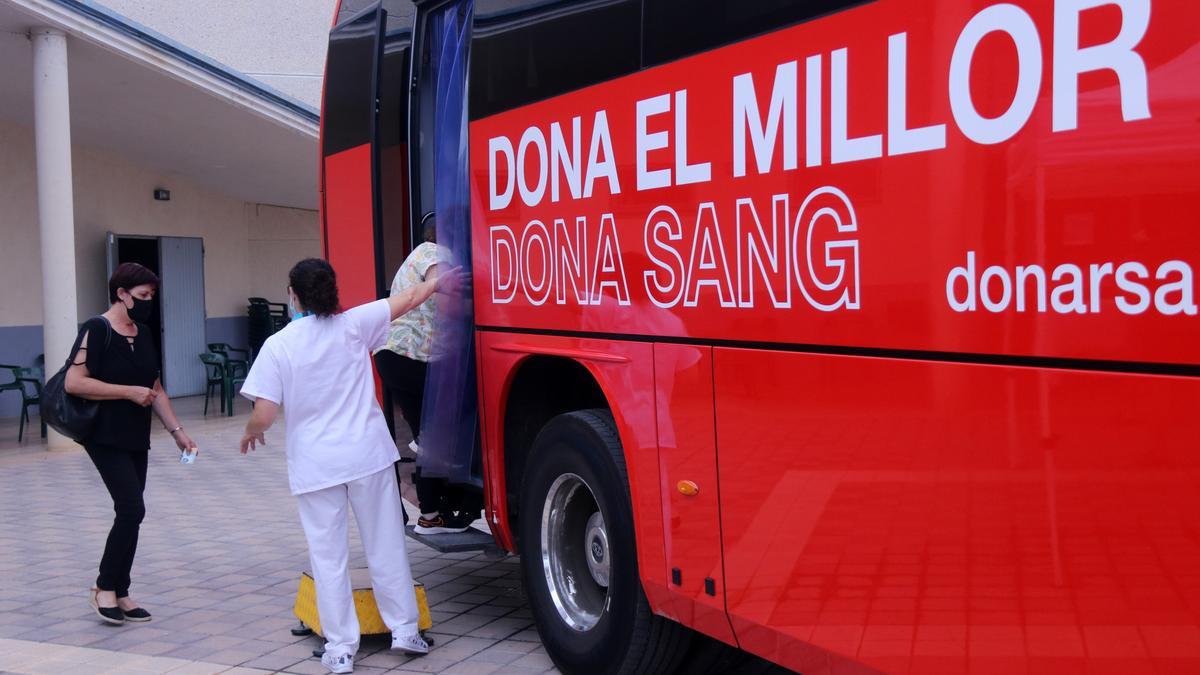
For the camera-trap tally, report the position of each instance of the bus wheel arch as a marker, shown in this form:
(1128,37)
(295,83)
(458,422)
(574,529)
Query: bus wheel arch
(541,388)
(563,455)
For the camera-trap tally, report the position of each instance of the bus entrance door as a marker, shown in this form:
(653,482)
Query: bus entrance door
(348,151)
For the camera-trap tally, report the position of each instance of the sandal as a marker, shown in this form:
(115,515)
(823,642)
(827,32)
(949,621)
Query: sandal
(109,615)
(136,614)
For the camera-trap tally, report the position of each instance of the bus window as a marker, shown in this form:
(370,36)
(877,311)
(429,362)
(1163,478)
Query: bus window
(350,83)
(396,229)
(349,154)
(421,109)
(526,54)
(449,423)
(400,16)
(351,8)
(400,13)
(678,28)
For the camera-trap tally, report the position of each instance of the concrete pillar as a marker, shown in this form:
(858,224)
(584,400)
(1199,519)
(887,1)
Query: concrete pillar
(56,194)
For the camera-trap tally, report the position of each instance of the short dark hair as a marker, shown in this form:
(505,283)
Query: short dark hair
(130,275)
(315,283)
(429,227)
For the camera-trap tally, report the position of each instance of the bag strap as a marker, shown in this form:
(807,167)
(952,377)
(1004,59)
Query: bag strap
(75,349)
(108,335)
(79,340)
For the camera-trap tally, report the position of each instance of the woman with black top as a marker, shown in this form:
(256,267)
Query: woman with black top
(117,365)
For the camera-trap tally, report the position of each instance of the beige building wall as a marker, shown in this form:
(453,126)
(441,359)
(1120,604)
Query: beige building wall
(278,239)
(248,247)
(20,252)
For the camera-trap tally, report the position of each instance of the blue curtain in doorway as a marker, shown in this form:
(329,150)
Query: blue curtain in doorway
(450,420)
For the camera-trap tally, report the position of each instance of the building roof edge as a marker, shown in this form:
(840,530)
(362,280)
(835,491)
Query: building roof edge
(165,45)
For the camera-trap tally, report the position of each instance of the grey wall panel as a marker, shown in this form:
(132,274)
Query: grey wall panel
(19,346)
(232,330)
(184,330)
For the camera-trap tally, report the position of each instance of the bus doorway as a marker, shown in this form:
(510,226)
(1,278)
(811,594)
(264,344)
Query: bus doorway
(441,185)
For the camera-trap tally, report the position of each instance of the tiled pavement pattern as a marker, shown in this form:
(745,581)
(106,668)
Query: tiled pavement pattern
(218,563)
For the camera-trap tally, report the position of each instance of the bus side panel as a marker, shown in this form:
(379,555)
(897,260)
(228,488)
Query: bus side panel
(687,453)
(496,373)
(349,224)
(495,507)
(1027,233)
(624,373)
(919,516)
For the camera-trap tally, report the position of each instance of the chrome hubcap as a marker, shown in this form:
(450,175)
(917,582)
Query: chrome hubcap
(596,540)
(575,554)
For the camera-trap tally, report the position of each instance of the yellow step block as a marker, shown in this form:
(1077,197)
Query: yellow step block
(369,621)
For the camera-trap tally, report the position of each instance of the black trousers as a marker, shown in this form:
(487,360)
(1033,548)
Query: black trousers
(405,379)
(124,474)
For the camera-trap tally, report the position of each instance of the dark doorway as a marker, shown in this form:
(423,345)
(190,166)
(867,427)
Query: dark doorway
(144,251)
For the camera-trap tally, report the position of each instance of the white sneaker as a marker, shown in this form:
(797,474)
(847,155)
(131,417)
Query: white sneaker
(410,644)
(338,664)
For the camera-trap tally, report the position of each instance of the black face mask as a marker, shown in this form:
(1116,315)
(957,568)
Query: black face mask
(141,309)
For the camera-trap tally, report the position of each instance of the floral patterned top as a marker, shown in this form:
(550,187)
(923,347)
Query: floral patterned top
(411,335)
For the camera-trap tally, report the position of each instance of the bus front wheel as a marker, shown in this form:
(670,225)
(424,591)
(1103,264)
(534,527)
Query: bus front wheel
(579,555)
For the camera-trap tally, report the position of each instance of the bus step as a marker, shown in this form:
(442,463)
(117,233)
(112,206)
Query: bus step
(456,542)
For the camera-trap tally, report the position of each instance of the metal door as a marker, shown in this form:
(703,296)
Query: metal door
(181,299)
(110,255)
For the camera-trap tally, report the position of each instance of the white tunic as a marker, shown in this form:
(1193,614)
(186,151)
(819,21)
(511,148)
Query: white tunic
(319,370)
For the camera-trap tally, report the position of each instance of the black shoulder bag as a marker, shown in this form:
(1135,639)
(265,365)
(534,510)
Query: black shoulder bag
(69,415)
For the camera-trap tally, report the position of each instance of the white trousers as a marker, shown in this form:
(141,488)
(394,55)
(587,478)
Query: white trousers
(379,512)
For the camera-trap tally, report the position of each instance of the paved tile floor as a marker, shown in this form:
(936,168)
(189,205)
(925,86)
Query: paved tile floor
(218,563)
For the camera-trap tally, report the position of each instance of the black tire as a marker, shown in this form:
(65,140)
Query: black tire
(627,637)
(709,656)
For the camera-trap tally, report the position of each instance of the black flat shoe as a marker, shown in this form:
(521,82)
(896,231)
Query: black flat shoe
(136,614)
(109,615)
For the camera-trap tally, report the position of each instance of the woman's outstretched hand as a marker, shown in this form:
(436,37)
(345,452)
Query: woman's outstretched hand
(252,441)
(260,420)
(453,280)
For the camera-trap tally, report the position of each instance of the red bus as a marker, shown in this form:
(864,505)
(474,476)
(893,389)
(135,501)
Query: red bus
(859,335)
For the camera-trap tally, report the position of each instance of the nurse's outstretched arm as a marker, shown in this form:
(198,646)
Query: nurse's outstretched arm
(452,281)
(260,420)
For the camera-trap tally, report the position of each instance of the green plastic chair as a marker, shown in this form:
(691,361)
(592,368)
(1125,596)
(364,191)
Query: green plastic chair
(231,382)
(237,365)
(214,367)
(12,385)
(32,377)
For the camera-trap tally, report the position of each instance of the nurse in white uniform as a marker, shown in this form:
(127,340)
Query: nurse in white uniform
(339,452)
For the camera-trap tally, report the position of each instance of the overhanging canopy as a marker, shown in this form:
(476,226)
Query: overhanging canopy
(164,107)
